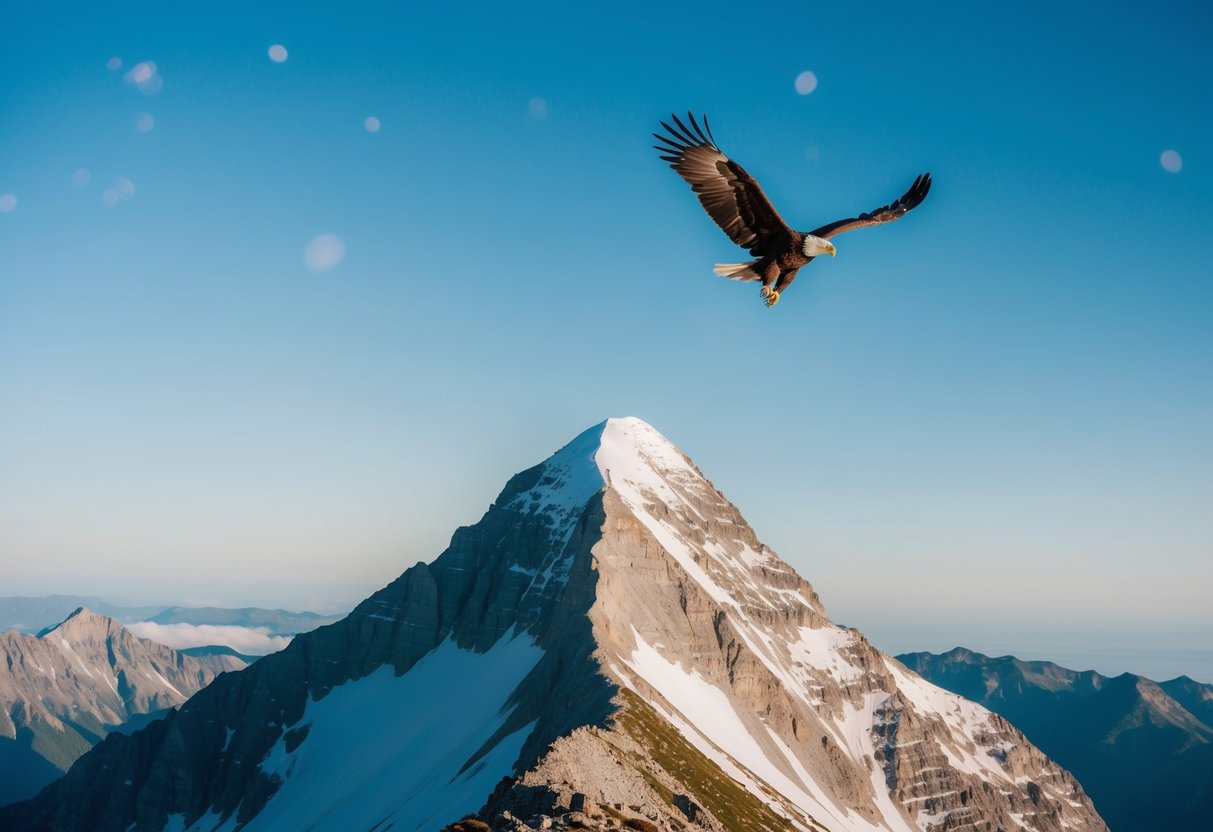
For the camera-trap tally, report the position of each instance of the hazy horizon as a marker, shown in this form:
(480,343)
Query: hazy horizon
(1074,640)
(288,292)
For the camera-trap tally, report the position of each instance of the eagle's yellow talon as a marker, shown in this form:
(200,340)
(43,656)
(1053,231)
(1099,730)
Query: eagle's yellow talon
(772,297)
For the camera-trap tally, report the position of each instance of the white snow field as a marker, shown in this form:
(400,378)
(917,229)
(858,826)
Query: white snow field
(393,747)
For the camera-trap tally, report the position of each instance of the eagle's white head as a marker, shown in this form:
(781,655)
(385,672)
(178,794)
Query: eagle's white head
(814,246)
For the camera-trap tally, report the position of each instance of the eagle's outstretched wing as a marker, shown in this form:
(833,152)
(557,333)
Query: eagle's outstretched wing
(730,195)
(895,211)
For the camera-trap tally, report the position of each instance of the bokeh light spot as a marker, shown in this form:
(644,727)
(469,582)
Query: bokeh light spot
(81,177)
(277,53)
(114,64)
(144,122)
(538,108)
(140,72)
(122,190)
(324,252)
(371,124)
(7,203)
(806,82)
(145,77)
(812,152)
(1171,161)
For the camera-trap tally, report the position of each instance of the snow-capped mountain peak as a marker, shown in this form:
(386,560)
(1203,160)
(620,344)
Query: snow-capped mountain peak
(619,637)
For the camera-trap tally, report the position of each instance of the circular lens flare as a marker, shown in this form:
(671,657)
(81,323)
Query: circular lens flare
(1171,161)
(8,202)
(371,124)
(277,53)
(323,252)
(806,82)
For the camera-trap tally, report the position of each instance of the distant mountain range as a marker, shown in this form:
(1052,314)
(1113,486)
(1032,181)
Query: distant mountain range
(32,614)
(65,689)
(1142,750)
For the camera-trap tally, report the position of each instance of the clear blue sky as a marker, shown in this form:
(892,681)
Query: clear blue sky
(987,424)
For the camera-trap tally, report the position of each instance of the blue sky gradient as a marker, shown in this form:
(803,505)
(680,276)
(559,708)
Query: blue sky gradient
(987,424)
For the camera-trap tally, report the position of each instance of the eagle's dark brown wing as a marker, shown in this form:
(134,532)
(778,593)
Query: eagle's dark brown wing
(730,195)
(907,201)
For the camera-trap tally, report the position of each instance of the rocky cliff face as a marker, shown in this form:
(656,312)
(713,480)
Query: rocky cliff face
(611,644)
(63,690)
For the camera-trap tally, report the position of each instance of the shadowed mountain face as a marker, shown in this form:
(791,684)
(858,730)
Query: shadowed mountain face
(63,690)
(609,644)
(1142,750)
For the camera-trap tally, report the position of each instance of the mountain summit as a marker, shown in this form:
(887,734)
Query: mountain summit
(610,645)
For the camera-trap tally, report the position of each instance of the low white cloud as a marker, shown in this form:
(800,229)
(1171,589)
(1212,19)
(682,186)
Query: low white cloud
(256,641)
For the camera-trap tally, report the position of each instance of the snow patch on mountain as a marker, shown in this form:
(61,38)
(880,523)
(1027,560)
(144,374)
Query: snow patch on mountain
(401,747)
(964,718)
(824,648)
(570,478)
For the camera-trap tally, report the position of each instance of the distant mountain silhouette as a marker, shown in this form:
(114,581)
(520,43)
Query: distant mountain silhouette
(29,614)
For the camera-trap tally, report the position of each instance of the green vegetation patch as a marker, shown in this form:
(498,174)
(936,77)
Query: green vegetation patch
(710,787)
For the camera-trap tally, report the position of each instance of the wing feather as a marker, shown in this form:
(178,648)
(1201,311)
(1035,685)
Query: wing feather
(893,211)
(731,197)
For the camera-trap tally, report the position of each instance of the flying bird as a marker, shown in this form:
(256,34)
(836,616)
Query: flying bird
(734,200)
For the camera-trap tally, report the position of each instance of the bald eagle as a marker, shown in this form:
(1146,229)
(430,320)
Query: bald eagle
(737,204)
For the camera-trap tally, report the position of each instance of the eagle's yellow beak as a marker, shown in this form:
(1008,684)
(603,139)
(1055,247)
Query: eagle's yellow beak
(833,251)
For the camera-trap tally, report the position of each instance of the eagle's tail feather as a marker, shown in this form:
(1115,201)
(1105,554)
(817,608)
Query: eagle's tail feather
(738,271)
